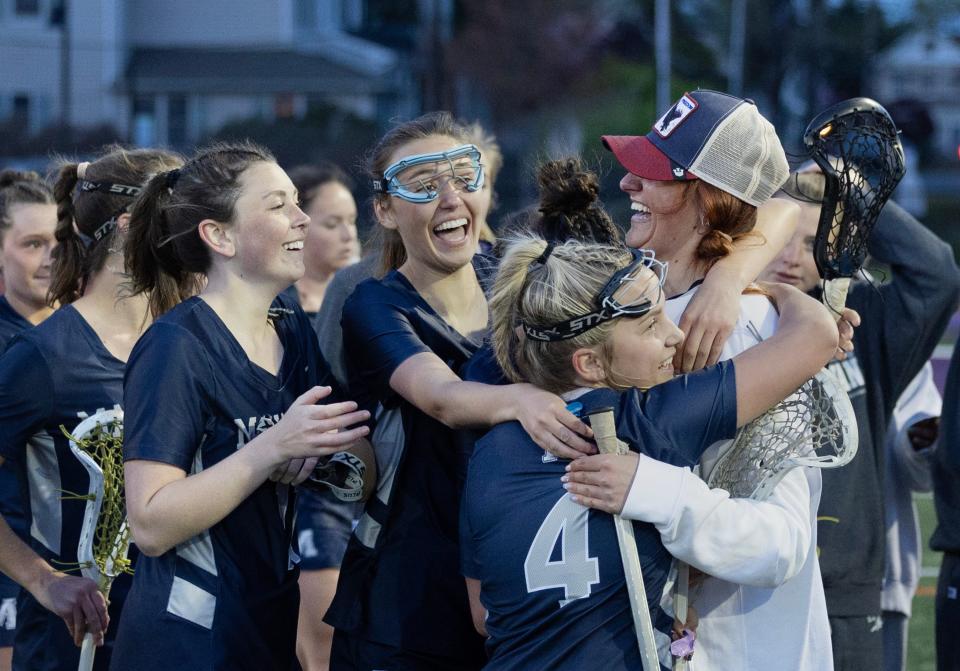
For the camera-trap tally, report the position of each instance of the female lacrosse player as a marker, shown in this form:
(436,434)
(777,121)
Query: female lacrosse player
(692,202)
(28,217)
(547,570)
(401,602)
(331,242)
(221,416)
(66,369)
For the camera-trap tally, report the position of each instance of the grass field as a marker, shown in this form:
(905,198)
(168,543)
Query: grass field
(921,655)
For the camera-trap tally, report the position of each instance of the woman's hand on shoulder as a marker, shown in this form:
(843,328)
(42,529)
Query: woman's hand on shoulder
(601,481)
(309,430)
(545,417)
(708,321)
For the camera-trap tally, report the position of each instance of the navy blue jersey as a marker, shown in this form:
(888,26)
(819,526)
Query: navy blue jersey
(11,506)
(400,583)
(55,374)
(550,570)
(227,598)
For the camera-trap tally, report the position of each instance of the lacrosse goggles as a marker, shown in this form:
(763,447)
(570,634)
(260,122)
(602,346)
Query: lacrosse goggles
(419,178)
(608,306)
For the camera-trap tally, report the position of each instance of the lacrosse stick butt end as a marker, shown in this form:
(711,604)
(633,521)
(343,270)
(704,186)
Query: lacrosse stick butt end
(835,295)
(87,651)
(604,430)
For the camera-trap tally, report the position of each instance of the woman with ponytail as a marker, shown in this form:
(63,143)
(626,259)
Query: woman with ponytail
(28,217)
(401,602)
(54,375)
(571,610)
(228,405)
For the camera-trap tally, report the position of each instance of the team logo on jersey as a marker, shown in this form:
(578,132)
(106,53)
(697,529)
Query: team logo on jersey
(677,114)
(253,427)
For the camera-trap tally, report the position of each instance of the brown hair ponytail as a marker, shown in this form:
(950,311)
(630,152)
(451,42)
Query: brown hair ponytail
(165,256)
(86,208)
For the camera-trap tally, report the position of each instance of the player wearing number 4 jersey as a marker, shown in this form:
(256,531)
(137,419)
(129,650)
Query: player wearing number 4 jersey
(544,573)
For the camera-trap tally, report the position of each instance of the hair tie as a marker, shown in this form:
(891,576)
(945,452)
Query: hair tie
(542,259)
(171,178)
(82,169)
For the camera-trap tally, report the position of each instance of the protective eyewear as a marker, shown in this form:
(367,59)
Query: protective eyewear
(460,165)
(608,306)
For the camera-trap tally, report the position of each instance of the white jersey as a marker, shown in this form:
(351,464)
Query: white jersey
(763,606)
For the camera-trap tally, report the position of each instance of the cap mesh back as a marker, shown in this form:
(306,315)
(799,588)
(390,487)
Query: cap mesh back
(743,156)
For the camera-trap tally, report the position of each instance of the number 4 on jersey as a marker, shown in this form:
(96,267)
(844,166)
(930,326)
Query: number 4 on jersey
(575,571)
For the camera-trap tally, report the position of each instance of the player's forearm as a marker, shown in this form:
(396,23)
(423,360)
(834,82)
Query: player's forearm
(17,560)
(738,540)
(806,339)
(776,221)
(164,516)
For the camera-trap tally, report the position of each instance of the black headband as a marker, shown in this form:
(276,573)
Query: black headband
(110,188)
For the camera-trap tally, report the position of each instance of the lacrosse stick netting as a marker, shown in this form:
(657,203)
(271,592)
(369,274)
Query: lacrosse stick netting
(857,146)
(97,443)
(814,426)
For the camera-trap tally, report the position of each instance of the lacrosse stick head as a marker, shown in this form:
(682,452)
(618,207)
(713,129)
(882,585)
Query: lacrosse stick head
(857,145)
(814,426)
(97,443)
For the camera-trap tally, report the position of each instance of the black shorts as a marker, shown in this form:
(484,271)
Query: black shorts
(948,613)
(8,610)
(324,524)
(857,642)
(353,653)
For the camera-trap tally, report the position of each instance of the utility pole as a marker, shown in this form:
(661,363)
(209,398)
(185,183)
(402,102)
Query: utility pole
(738,39)
(661,38)
(60,16)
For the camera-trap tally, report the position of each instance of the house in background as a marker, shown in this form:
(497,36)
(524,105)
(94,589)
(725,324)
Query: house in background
(925,66)
(170,73)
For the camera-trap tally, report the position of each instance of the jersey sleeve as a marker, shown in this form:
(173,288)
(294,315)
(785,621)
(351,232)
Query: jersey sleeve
(26,396)
(759,543)
(690,413)
(377,335)
(167,380)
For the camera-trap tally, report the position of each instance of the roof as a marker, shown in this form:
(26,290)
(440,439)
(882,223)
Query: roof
(251,70)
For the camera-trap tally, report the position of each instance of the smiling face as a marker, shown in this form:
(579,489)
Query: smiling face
(269,228)
(439,236)
(665,214)
(331,240)
(795,264)
(25,254)
(643,347)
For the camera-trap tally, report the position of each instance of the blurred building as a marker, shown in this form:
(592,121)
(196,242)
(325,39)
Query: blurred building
(925,67)
(171,72)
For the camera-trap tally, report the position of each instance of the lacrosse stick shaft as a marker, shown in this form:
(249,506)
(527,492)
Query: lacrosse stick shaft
(604,431)
(835,295)
(87,651)
(681,601)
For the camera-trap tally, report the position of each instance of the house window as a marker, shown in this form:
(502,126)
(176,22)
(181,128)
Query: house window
(177,120)
(144,121)
(306,14)
(21,111)
(27,7)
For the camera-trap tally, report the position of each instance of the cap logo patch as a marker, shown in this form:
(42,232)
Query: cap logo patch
(679,173)
(669,121)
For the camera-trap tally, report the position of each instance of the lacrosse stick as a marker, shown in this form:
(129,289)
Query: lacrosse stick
(605,433)
(857,146)
(814,426)
(97,443)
